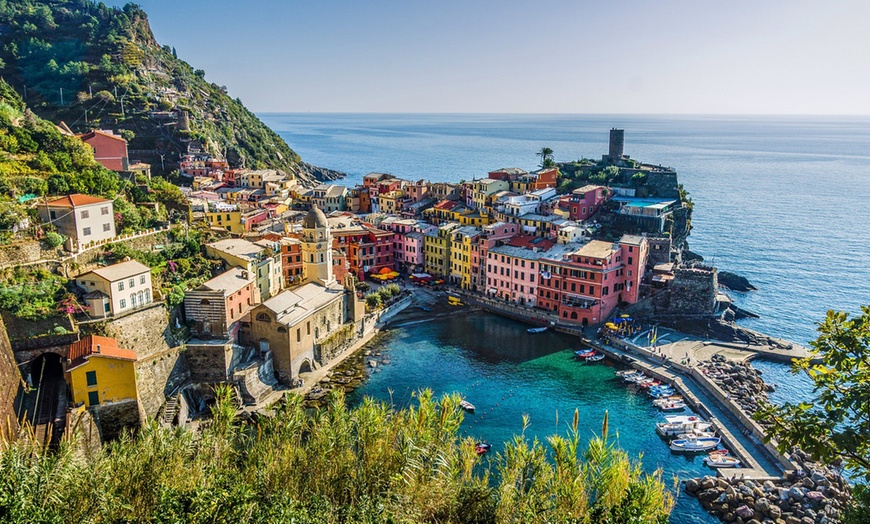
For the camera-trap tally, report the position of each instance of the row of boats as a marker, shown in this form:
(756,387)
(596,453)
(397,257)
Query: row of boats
(686,433)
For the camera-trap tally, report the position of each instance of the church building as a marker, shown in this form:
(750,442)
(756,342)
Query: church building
(296,325)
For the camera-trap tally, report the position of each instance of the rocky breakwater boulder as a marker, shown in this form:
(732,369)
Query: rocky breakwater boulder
(740,381)
(811,496)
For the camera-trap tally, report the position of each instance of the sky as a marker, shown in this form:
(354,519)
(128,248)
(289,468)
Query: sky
(466,56)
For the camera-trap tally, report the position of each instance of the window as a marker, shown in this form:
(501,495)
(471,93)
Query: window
(308,328)
(104,210)
(264,317)
(120,286)
(86,214)
(132,282)
(629,260)
(52,215)
(299,335)
(142,279)
(93,398)
(133,300)
(86,232)
(107,227)
(123,303)
(91,377)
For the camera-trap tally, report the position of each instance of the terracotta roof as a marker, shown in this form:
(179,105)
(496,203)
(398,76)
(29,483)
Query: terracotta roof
(75,200)
(81,351)
(446,204)
(94,132)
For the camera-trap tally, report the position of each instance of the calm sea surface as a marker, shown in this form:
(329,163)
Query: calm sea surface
(780,200)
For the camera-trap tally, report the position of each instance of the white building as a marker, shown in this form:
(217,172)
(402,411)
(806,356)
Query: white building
(82,218)
(116,289)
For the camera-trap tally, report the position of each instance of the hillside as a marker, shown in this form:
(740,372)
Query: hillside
(94,66)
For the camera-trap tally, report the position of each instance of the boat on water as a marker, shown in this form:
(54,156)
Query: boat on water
(682,419)
(697,434)
(467,406)
(661,393)
(665,400)
(694,445)
(651,384)
(672,429)
(482,447)
(583,353)
(537,329)
(720,460)
(626,372)
(595,358)
(454,301)
(673,406)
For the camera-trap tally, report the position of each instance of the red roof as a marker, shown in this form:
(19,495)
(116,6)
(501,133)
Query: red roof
(85,136)
(446,204)
(81,351)
(75,200)
(530,241)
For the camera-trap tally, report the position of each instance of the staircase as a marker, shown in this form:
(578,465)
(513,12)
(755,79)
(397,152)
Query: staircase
(170,411)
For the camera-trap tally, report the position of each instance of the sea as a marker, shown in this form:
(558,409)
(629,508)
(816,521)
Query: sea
(780,200)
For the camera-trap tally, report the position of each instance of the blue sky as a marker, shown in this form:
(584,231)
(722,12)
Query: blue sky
(683,57)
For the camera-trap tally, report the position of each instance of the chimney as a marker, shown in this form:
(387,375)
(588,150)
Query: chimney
(98,349)
(245,275)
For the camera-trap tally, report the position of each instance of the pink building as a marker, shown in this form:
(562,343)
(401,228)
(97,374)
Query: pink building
(586,201)
(408,248)
(109,149)
(216,307)
(490,236)
(585,286)
(512,269)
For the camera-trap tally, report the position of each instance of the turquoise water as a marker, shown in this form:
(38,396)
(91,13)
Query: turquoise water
(507,373)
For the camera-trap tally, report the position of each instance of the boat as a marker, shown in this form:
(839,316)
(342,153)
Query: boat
(583,353)
(634,378)
(626,372)
(673,406)
(595,358)
(482,447)
(537,329)
(696,434)
(662,393)
(672,429)
(665,400)
(454,301)
(695,444)
(719,452)
(682,419)
(719,460)
(467,406)
(651,384)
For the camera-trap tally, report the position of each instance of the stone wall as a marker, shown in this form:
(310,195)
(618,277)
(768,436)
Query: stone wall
(160,367)
(662,184)
(693,291)
(24,252)
(113,418)
(10,379)
(209,360)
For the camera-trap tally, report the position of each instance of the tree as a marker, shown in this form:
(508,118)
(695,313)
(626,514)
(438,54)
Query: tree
(836,424)
(546,155)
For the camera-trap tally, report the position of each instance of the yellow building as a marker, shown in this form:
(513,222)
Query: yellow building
(485,187)
(391,202)
(462,240)
(227,217)
(436,245)
(99,371)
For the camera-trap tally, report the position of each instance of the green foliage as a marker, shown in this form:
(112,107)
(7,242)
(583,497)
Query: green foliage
(546,156)
(835,424)
(373,301)
(859,511)
(369,464)
(102,56)
(54,239)
(31,295)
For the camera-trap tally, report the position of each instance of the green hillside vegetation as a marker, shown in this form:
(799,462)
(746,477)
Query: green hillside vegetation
(369,464)
(94,66)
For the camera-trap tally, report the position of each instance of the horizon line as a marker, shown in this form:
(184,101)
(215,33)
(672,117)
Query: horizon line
(804,115)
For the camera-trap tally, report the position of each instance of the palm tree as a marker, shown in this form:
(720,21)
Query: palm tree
(546,155)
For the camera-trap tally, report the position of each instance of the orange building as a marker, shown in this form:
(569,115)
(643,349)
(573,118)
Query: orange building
(109,149)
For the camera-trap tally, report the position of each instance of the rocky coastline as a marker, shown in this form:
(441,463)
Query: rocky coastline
(351,373)
(307,171)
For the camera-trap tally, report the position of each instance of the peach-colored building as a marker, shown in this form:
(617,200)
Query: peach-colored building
(109,149)
(512,269)
(216,307)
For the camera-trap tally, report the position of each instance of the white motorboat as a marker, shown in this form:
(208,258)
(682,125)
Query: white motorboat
(467,406)
(718,460)
(672,429)
(595,358)
(695,444)
(665,400)
(683,419)
(672,406)
(661,393)
(537,330)
(694,433)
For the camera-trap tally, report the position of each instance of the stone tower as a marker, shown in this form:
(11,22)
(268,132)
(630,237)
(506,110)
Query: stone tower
(316,248)
(617,143)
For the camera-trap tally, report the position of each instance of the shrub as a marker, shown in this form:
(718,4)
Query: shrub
(54,239)
(373,301)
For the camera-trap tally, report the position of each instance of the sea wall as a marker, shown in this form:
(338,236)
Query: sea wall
(10,378)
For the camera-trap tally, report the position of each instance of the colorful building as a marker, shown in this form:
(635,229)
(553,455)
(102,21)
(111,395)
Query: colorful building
(98,371)
(512,268)
(116,289)
(437,245)
(262,259)
(110,149)
(216,307)
(462,240)
(586,201)
(585,286)
(82,218)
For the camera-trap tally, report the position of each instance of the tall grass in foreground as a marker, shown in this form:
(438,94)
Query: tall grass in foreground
(369,464)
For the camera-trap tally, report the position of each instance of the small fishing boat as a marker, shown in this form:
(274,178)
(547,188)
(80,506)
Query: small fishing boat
(634,378)
(467,406)
(672,429)
(651,384)
(673,406)
(719,460)
(482,447)
(695,444)
(662,393)
(583,353)
(719,452)
(665,400)
(595,358)
(682,419)
(697,434)
(537,329)
(626,372)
